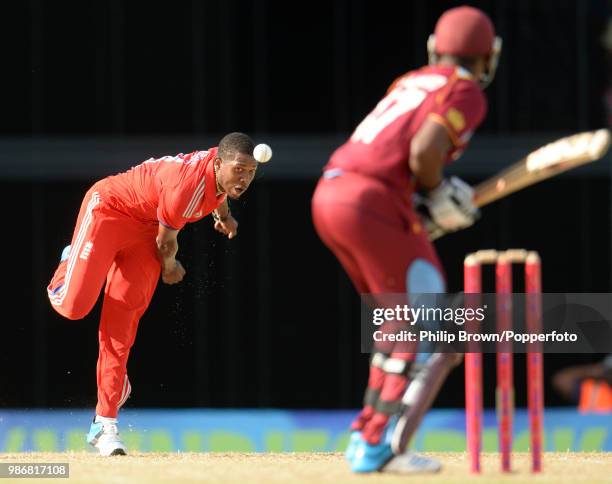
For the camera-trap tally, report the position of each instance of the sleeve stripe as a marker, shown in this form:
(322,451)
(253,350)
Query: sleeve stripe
(451,133)
(195,199)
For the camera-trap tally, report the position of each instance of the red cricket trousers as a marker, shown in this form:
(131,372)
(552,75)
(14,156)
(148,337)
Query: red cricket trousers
(373,232)
(108,245)
(376,236)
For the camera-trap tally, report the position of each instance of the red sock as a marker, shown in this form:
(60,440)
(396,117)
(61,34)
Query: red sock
(364,416)
(390,399)
(375,383)
(374,428)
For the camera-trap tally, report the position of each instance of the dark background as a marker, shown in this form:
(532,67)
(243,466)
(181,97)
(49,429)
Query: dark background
(268,319)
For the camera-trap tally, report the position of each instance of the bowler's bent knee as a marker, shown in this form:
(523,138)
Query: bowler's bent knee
(70,311)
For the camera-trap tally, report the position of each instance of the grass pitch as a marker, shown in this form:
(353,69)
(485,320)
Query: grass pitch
(179,468)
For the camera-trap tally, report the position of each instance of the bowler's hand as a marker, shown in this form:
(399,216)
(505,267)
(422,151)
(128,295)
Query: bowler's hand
(228,227)
(174,275)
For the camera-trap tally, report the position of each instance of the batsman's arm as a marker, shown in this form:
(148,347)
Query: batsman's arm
(167,247)
(428,151)
(448,205)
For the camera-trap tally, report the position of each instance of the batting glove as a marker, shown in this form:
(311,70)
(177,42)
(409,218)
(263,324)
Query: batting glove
(447,208)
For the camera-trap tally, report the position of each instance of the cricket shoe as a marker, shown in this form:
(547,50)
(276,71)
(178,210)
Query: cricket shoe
(352,445)
(370,457)
(63,258)
(412,463)
(65,253)
(104,436)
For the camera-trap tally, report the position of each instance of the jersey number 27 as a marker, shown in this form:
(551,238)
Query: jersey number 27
(407,95)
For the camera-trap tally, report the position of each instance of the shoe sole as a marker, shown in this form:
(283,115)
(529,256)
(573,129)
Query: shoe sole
(395,467)
(118,452)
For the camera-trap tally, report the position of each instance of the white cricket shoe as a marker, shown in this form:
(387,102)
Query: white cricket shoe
(104,436)
(412,463)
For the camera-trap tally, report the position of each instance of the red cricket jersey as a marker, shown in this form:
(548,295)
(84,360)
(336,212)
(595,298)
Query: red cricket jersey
(380,146)
(172,190)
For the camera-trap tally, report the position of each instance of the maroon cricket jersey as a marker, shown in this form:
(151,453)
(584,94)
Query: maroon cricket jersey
(380,146)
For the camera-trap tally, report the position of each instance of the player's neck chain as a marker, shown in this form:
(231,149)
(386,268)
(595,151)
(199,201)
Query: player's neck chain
(219,187)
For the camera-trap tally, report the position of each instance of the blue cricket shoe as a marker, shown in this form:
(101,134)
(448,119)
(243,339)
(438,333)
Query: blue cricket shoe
(352,445)
(370,458)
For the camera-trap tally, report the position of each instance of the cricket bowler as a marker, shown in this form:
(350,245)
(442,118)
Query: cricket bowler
(363,210)
(125,237)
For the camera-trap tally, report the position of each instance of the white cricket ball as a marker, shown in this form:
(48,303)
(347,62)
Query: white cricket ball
(262,153)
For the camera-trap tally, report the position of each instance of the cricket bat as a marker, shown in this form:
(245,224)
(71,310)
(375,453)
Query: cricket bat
(550,160)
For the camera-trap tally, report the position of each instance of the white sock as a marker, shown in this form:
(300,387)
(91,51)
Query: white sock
(105,420)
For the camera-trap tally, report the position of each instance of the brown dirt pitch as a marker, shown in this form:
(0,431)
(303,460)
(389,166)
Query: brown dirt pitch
(178,468)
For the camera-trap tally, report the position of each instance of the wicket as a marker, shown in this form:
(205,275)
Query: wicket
(503,261)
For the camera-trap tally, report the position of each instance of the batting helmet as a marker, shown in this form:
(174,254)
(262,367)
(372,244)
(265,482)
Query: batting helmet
(465,32)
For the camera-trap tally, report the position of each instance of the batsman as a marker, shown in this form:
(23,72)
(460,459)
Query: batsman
(363,210)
